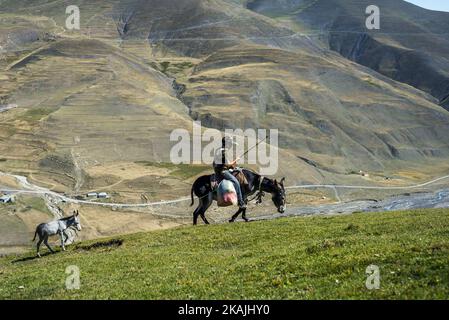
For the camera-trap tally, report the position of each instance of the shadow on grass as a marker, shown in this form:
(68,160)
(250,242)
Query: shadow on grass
(111,244)
(33,257)
(114,243)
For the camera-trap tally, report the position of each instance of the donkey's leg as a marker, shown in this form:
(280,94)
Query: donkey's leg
(204,218)
(236,215)
(206,204)
(244,216)
(39,245)
(196,214)
(61,234)
(46,243)
(66,236)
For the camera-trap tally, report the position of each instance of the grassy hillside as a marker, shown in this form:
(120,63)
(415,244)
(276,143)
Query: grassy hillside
(299,258)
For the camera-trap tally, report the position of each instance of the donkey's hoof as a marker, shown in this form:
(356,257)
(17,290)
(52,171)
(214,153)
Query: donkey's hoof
(231,220)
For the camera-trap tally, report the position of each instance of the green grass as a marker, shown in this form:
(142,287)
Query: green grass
(169,68)
(181,171)
(37,113)
(290,258)
(164,66)
(33,203)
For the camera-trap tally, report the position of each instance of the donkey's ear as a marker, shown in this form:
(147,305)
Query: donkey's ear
(275,182)
(282,180)
(76,213)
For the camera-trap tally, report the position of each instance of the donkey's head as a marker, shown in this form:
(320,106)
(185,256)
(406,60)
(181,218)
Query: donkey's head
(76,220)
(278,196)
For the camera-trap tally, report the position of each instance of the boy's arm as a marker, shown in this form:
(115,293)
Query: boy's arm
(234,163)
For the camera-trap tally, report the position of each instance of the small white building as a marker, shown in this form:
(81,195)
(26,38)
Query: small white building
(7,198)
(103,195)
(92,195)
(363,173)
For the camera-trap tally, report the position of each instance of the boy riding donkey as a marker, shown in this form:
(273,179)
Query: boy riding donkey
(223,166)
(225,185)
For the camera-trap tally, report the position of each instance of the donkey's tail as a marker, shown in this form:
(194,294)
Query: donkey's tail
(191,195)
(35,234)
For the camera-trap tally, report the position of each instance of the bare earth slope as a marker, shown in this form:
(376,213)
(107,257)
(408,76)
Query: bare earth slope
(98,95)
(412,45)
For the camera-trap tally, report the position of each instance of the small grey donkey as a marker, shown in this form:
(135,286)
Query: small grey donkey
(45,230)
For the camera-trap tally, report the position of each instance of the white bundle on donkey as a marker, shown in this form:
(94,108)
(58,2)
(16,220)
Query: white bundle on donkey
(226,194)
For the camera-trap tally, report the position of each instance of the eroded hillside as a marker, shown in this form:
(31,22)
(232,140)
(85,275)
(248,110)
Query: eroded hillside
(411,46)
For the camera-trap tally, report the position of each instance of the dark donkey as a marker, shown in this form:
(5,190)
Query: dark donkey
(256,183)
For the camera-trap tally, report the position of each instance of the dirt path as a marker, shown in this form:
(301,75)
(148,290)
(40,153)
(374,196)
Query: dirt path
(79,176)
(418,200)
(33,189)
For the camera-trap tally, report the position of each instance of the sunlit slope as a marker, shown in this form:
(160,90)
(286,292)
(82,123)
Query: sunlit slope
(412,45)
(81,103)
(104,97)
(185,27)
(327,109)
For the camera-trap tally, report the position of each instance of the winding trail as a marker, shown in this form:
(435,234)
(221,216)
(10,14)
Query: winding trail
(332,186)
(29,188)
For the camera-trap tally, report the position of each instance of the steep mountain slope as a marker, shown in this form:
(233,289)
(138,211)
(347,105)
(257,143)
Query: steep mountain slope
(89,99)
(327,109)
(412,45)
(82,102)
